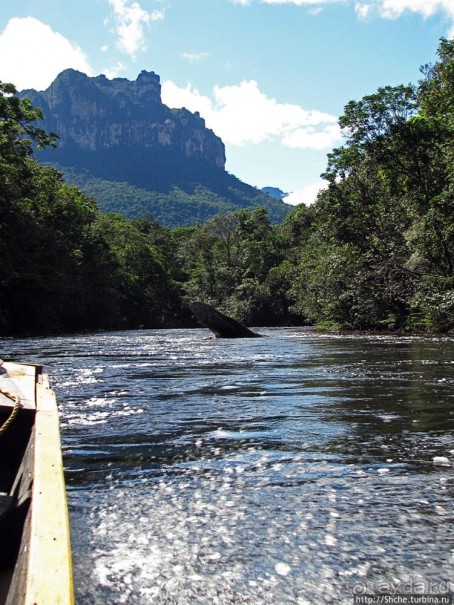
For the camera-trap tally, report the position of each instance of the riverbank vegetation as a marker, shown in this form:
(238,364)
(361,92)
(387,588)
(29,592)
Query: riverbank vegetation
(376,250)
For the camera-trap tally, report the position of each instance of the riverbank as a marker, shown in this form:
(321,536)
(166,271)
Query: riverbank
(192,324)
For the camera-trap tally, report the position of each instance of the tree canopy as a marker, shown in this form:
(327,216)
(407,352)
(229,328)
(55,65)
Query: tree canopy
(375,251)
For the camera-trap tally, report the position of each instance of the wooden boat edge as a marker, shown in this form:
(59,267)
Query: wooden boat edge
(46,553)
(49,578)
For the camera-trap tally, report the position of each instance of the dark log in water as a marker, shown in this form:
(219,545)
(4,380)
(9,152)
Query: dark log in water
(221,325)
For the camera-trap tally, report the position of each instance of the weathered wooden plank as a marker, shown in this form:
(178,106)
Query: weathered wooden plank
(16,589)
(49,578)
(18,379)
(23,484)
(18,523)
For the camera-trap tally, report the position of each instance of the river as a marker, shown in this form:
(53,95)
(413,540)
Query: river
(301,468)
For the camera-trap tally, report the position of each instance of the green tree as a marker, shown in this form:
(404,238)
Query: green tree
(385,223)
(145,295)
(228,262)
(18,130)
(64,266)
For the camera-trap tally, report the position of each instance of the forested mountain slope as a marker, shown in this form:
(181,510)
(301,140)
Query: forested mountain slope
(119,143)
(374,252)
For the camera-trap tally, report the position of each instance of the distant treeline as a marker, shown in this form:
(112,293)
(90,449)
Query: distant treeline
(374,252)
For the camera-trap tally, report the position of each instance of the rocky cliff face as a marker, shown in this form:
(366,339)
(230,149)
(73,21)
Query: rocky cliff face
(121,145)
(97,114)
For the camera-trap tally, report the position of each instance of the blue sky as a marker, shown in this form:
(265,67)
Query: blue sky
(271,77)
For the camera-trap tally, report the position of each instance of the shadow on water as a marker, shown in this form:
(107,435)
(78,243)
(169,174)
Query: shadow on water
(300,468)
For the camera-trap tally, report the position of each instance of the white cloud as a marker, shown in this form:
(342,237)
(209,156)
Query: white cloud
(193,57)
(310,138)
(307,195)
(241,114)
(393,9)
(115,70)
(52,53)
(387,9)
(188,97)
(362,10)
(130,22)
(315,11)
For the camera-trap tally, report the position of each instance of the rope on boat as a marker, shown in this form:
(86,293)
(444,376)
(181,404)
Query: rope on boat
(14,412)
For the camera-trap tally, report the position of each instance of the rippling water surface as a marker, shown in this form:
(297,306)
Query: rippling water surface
(299,468)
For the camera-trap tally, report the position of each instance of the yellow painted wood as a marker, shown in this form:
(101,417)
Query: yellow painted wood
(49,577)
(18,379)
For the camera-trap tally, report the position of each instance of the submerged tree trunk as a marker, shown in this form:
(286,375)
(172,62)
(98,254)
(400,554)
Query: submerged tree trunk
(221,325)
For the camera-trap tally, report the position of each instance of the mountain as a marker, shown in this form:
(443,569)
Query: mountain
(274,192)
(120,144)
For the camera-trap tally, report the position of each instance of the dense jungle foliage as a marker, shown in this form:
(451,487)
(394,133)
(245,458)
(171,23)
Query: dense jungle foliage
(186,205)
(374,252)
